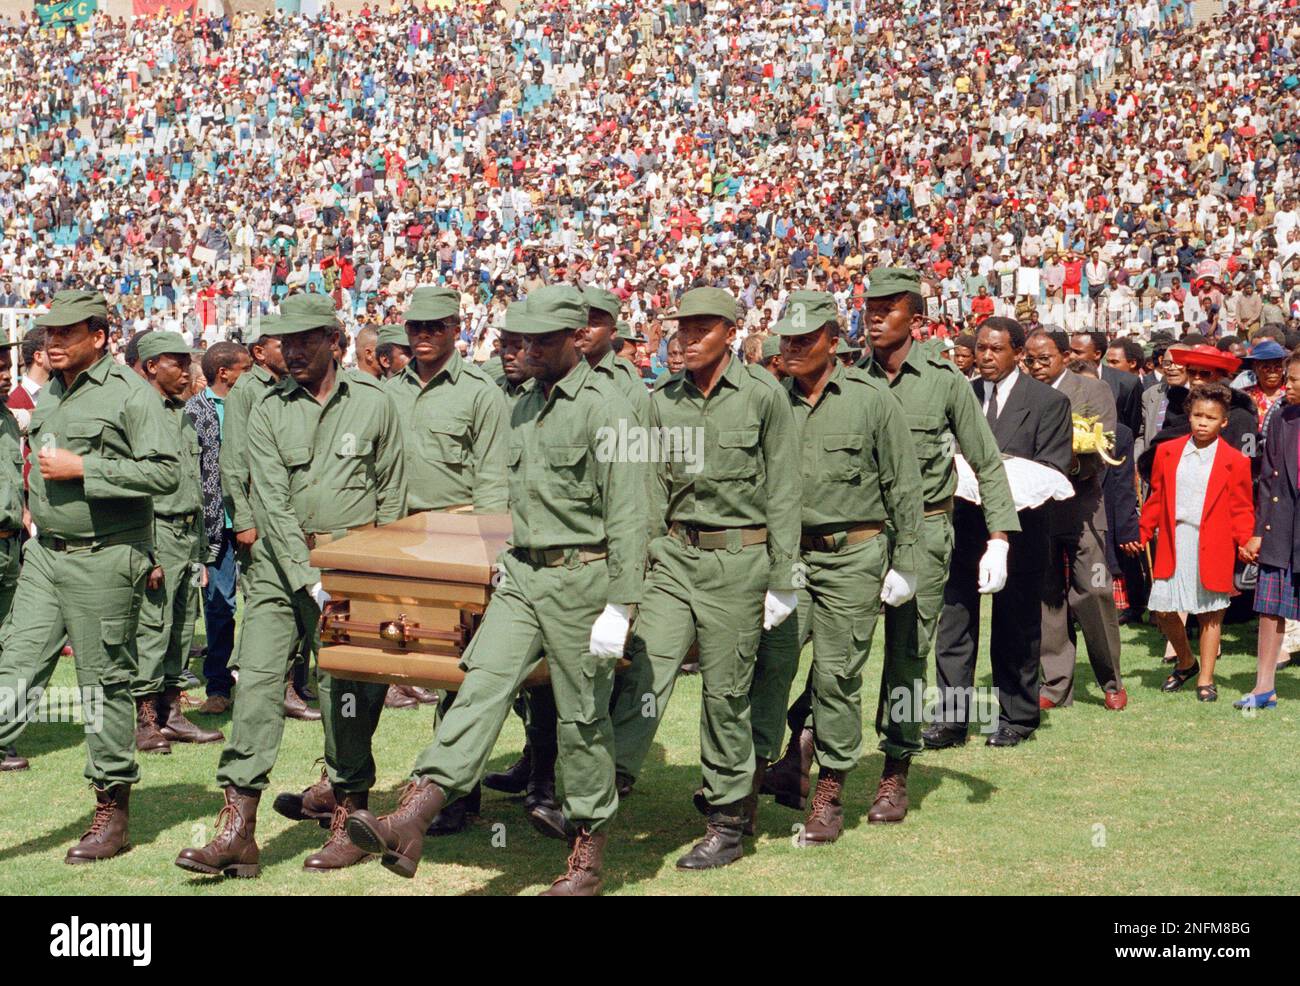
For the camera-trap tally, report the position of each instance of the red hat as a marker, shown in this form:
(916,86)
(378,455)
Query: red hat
(1203,357)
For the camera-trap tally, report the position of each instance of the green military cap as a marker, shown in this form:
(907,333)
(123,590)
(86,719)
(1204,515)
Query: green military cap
(514,315)
(888,281)
(6,343)
(629,334)
(548,309)
(70,307)
(806,311)
(771,347)
(155,344)
(606,301)
(266,326)
(304,312)
(429,304)
(842,348)
(706,301)
(396,334)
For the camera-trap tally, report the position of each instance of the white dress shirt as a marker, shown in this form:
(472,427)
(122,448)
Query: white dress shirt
(1002,388)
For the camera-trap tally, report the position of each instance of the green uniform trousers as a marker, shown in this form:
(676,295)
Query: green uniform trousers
(350,713)
(717,598)
(166,628)
(92,597)
(11,562)
(842,593)
(909,639)
(275,622)
(535,609)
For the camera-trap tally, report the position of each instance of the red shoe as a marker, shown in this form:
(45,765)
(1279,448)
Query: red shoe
(1116,700)
(1045,703)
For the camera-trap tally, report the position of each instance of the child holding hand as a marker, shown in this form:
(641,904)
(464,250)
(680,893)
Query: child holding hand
(1201,506)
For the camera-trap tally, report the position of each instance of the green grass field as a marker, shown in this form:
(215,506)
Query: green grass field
(1167,797)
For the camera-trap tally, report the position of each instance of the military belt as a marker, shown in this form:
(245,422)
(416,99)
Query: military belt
(939,507)
(724,539)
(182,519)
(7,534)
(555,557)
(318,539)
(835,540)
(54,543)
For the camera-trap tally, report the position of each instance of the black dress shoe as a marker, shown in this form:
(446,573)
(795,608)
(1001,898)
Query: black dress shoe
(1004,737)
(939,736)
(514,779)
(456,816)
(549,820)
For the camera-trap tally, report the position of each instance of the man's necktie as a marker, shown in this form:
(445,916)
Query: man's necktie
(992,412)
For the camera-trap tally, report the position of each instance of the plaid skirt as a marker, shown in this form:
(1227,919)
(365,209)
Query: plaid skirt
(1278,593)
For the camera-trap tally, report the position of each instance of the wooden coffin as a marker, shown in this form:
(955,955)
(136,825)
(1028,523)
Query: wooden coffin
(406,598)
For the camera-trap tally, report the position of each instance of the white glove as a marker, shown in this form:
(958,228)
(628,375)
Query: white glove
(609,632)
(993,566)
(776,607)
(897,588)
(320,595)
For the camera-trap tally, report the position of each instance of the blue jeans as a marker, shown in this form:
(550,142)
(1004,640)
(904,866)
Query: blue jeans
(219,617)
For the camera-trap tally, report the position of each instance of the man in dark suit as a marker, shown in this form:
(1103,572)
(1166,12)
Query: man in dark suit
(1032,421)
(1077,583)
(1125,386)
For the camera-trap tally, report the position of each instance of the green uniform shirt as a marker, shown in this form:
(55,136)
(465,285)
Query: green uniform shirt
(564,491)
(454,433)
(188,497)
(11,472)
(127,448)
(858,461)
(494,369)
(323,468)
(251,387)
(745,473)
(941,408)
(627,382)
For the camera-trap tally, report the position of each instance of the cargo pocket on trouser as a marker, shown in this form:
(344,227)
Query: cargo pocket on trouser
(741,673)
(118,658)
(585,739)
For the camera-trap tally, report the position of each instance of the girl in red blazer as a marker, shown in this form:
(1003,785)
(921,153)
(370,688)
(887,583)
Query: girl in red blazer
(1201,503)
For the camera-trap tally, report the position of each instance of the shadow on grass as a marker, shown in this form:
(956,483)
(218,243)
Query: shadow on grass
(40,738)
(153,811)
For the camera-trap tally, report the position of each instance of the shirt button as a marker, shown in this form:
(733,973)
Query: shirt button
(1268,527)
(1275,499)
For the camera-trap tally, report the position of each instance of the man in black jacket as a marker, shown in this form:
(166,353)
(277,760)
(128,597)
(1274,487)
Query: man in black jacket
(1029,420)
(1126,387)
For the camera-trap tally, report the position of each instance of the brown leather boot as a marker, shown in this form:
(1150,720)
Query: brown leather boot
(148,737)
(316,802)
(891,794)
(176,728)
(826,816)
(788,777)
(583,876)
(397,698)
(339,851)
(233,852)
(107,835)
(425,696)
(10,760)
(296,708)
(749,806)
(398,838)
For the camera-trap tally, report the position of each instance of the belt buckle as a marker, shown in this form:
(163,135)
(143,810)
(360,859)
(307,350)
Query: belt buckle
(58,544)
(311,541)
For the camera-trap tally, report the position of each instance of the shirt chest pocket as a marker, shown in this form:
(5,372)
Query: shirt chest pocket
(930,436)
(842,458)
(570,472)
(448,442)
(85,437)
(353,457)
(736,457)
